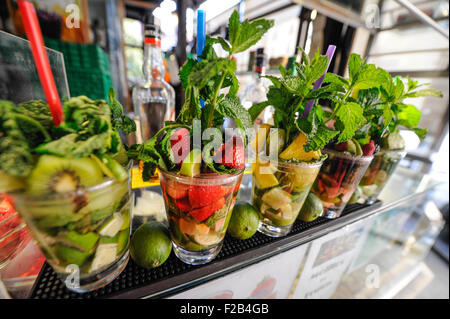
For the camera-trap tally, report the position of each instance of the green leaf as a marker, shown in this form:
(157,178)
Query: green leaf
(335,79)
(205,70)
(185,71)
(408,116)
(350,118)
(370,77)
(191,108)
(387,115)
(420,132)
(321,137)
(293,84)
(243,36)
(425,92)
(256,109)
(355,64)
(219,40)
(230,107)
(317,68)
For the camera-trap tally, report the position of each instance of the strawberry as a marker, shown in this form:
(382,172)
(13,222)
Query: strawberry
(231,154)
(175,190)
(182,204)
(205,212)
(180,142)
(200,196)
(341,147)
(369,148)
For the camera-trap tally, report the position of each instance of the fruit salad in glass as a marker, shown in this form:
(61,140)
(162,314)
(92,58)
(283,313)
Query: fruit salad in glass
(340,175)
(200,162)
(70,185)
(280,187)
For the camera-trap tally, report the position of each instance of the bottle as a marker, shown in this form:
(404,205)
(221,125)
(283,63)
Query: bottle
(153,98)
(256,91)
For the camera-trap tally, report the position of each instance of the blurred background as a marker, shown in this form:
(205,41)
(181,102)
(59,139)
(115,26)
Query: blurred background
(103,40)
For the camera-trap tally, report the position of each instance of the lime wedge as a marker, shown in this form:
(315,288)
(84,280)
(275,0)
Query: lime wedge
(112,226)
(105,254)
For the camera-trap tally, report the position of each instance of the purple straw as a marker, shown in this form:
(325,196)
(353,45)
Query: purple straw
(318,84)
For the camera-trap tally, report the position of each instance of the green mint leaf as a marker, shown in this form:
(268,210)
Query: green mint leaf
(420,132)
(317,68)
(205,70)
(387,115)
(350,118)
(185,71)
(369,77)
(355,64)
(293,84)
(335,79)
(219,40)
(425,92)
(246,34)
(408,116)
(191,108)
(256,109)
(230,107)
(321,137)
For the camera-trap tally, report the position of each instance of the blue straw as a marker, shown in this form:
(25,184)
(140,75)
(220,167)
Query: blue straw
(201,37)
(201,32)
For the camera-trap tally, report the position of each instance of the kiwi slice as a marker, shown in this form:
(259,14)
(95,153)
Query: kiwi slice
(54,174)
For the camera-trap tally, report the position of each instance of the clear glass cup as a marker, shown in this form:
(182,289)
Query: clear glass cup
(279,191)
(378,173)
(198,211)
(84,235)
(337,180)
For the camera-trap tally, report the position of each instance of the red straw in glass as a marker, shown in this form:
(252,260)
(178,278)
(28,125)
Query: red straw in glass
(33,32)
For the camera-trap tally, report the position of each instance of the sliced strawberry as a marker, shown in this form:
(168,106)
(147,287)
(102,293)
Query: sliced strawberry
(204,213)
(180,142)
(231,154)
(369,148)
(200,196)
(182,204)
(176,190)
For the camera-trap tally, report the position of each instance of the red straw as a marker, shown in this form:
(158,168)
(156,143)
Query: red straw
(33,32)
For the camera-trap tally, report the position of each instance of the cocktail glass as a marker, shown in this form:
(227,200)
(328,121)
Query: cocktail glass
(83,234)
(337,180)
(279,191)
(198,210)
(378,173)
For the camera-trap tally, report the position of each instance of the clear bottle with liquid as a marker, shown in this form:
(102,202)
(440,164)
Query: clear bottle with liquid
(257,90)
(153,98)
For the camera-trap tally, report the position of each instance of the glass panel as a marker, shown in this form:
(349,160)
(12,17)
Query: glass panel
(19,80)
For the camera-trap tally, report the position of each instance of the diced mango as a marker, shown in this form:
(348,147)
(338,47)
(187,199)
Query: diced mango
(264,176)
(260,139)
(296,150)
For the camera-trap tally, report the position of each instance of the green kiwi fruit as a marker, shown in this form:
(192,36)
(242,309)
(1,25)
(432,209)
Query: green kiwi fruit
(54,174)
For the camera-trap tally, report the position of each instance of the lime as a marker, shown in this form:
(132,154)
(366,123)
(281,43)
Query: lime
(150,245)
(244,221)
(312,208)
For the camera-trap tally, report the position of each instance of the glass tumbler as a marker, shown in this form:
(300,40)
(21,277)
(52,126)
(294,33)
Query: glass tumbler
(198,211)
(337,180)
(378,173)
(84,235)
(279,191)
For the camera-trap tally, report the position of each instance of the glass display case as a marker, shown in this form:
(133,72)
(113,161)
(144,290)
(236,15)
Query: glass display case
(341,258)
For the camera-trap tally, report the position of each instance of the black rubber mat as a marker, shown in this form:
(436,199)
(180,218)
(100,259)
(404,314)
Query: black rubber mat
(134,281)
